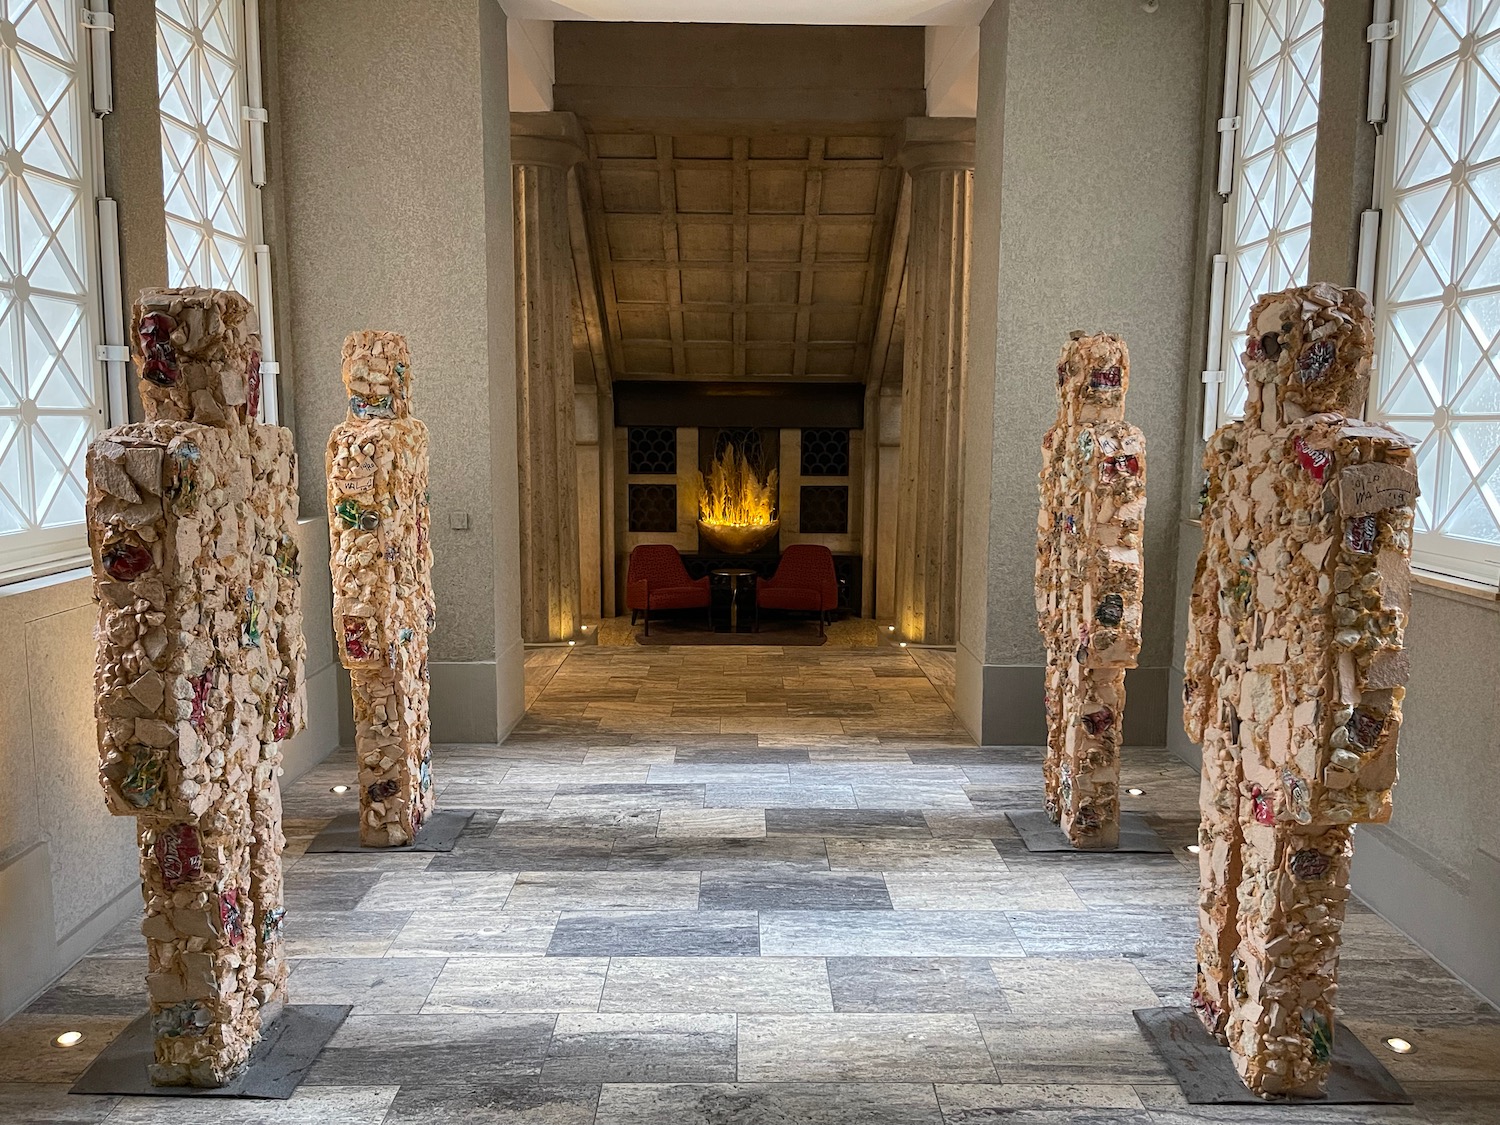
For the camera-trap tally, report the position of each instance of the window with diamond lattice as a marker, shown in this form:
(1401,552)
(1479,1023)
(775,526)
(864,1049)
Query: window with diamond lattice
(652,507)
(52,391)
(825,509)
(1268,215)
(651,450)
(825,453)
(750,443)
(1438,344)
(200,68)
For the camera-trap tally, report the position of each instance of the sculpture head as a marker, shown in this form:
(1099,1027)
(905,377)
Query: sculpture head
(1093,375)
(1311,345)
(377,374)
(198,356)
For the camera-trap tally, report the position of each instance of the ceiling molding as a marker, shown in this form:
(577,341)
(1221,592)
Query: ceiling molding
(906,13)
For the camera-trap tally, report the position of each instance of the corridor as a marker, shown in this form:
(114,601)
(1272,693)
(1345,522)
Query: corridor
(717,925)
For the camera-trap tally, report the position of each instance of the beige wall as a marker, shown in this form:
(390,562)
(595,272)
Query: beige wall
(725,72)
(1086,203)
(394,136)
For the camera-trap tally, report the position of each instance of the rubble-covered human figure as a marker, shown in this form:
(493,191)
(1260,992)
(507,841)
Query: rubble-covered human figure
(1088,583)
(1295,675)
(382,584)
(199,674)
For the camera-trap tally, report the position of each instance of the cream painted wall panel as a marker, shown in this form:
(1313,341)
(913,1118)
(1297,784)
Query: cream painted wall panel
(1450,734)
(93,853)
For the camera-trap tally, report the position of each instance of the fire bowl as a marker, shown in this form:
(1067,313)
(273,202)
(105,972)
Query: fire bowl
(737,538)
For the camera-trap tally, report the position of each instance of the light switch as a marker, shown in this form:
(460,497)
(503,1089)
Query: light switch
(458,521)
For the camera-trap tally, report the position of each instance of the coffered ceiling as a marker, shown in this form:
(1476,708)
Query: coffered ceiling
(726,256)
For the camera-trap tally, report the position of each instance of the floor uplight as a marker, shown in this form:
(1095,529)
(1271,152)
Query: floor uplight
(890,628)
(68,1039)
(339,789)
(1399,1045)
(903,644)
(572,643)
(1194,849)
(1136,792)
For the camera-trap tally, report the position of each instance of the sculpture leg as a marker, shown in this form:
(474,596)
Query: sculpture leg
(1220,854)
(266,884)
(1057,672)
(1094,701)
(391,743)
(195,878)
(1292,907)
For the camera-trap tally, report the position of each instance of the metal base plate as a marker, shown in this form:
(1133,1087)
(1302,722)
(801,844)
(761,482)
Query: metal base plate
(1039,834)
(439,834)
(286,1052)
(1201,1066)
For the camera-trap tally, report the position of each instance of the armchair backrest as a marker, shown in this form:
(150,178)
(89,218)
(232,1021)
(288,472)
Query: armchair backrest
(658,564)
(810,565)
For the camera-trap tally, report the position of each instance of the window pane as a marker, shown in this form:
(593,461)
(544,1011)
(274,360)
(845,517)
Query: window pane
(1439,335)
(1269,215)
(200,73)
(51,394)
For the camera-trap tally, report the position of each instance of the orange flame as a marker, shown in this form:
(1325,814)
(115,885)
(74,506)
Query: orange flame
(733,496)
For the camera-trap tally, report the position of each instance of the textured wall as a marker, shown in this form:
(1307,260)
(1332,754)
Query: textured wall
(384,184)
(1097,219)
(1450,737)
(1092,181)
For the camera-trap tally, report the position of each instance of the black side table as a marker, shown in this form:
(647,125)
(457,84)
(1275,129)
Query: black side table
(734,575)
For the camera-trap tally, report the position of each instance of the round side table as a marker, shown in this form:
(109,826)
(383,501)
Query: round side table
(735,575)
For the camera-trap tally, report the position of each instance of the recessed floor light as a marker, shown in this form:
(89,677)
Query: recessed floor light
(68,1039)
(572,643)
(890,628)
(1194,848)
(903,644)
(1136,792)
(1399,1045)
(339,789)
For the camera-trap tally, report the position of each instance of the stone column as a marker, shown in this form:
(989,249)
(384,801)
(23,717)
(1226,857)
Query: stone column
(938,155)
(544,149)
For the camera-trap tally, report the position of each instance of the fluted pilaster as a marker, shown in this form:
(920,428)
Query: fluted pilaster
(938,155)
(544,149)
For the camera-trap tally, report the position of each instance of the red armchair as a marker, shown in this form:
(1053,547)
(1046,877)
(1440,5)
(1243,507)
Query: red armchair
(656,579)
(804,579)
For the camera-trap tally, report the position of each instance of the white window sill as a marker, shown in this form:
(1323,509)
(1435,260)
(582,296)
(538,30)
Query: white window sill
(43,581)
(1449,584)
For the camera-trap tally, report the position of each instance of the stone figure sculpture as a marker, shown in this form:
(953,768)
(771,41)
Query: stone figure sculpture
(1295,675)
(1088,583)
(382,584)
(199,673)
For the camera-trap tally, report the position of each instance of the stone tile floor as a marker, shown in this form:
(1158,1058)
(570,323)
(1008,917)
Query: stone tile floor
(699,928)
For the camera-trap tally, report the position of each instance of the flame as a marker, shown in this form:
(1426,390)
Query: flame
(732,495)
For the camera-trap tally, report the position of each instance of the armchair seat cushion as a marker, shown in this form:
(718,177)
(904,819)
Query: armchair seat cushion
(791,597)
(678,597)
(804,579)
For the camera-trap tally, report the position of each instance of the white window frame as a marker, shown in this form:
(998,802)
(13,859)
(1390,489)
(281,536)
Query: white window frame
(253,277)
(1471,560)
(1250,28)
(39,551)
